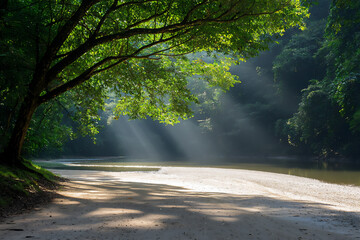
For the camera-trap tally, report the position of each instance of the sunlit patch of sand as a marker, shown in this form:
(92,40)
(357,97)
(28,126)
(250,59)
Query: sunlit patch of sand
(112,211)
(171,206)
(148,221)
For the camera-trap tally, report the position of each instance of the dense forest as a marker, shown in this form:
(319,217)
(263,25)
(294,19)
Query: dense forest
(304,92)
(298,97)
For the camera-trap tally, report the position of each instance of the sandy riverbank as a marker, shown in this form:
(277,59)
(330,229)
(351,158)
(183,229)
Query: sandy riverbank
(192,203)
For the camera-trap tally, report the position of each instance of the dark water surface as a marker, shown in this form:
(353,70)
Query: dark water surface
(339,173)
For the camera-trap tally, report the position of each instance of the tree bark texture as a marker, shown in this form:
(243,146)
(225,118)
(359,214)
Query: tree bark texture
(12,153)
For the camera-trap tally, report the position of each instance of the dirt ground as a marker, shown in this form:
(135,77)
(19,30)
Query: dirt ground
(191,203)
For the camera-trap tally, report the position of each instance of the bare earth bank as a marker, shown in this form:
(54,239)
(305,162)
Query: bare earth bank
(192,203)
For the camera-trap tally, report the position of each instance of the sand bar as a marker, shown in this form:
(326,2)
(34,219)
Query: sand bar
(192,203)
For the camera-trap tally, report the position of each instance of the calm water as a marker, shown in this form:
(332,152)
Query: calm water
(347,174)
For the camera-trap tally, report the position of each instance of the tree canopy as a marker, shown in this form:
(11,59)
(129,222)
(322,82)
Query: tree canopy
(135,48)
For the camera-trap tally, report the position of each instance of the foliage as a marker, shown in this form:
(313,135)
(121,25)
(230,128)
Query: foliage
(343,33)
(317,120)
(327,119)
(82,50)
(17,63)
(18,59)
(313,106)
(162,96)
(209,94)
(316,72)
(298,63)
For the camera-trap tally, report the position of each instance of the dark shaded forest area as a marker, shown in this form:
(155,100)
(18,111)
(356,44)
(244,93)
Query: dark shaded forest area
(304,92)
(300,97)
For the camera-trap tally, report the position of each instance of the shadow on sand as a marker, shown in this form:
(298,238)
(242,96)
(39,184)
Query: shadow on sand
(126,210)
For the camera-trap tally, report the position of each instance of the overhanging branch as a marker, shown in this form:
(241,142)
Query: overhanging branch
(128,33)
(87,74)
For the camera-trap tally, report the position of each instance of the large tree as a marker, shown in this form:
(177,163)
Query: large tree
(135,48)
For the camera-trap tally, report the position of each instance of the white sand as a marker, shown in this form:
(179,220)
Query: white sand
(192,203)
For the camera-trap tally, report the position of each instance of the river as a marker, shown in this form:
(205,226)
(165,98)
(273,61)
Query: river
(338,173)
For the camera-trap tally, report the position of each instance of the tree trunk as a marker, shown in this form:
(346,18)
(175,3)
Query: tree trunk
(12,153)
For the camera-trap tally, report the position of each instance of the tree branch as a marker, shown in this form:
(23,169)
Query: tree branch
(91,71)
(147,19)
(88,73)
(39,81)
(88,45)
(192,10)
(127,33)
(68,27)
(102,20)
(133,3)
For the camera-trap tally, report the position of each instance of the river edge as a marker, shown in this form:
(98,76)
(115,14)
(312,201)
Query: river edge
(345,173)
(193,203)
